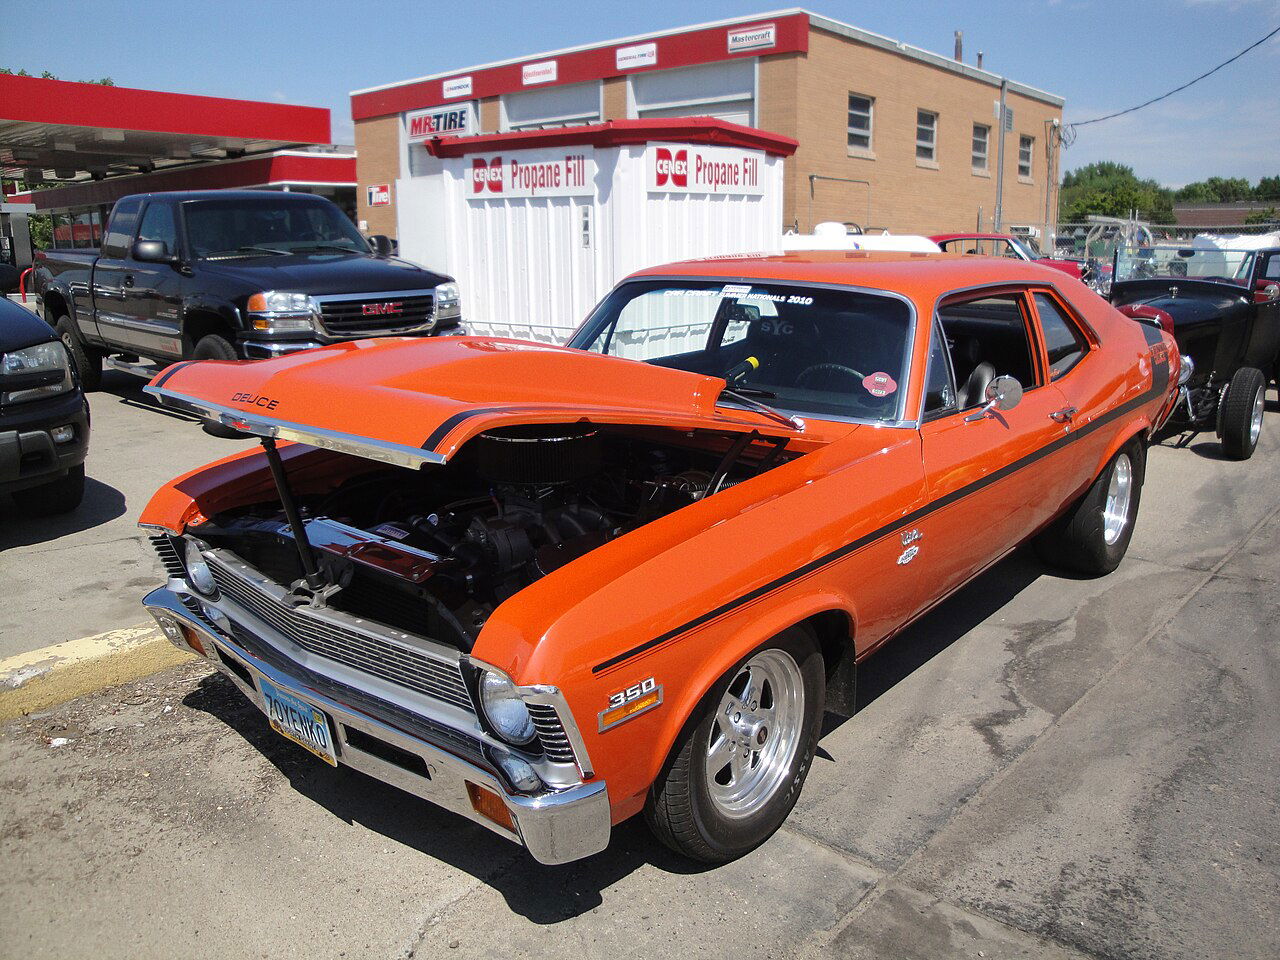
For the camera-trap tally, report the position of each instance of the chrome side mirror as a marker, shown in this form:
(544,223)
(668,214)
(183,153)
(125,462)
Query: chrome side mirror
(1003,393)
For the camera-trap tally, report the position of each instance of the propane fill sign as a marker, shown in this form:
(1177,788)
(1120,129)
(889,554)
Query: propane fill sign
(531,174)
(688,168)
(457,120)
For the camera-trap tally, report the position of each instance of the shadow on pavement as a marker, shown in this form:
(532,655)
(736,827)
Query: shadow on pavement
(101,504)
(541,894)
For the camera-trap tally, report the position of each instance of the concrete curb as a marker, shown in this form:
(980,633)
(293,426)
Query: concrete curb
(50,676)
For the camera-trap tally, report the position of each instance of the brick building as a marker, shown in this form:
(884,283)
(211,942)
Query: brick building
(890,135)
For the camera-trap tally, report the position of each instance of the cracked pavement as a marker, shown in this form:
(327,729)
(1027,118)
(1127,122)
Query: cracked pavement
(1043,767)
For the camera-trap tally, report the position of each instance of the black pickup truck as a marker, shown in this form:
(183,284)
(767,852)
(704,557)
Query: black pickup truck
(231,274)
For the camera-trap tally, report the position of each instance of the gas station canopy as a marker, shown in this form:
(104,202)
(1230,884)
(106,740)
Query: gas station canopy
(54,131)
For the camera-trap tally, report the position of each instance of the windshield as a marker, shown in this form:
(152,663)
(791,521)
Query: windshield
(1195,263)
(1028,246)
(826,352)
(265,226)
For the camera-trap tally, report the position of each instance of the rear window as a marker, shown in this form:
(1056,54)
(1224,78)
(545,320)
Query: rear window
(120,229)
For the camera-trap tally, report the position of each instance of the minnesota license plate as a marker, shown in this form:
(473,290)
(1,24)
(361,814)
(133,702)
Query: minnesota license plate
(299,721)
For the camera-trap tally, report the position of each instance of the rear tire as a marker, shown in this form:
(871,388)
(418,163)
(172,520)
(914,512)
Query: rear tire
(738,767)
(1093,535)
(87,360)
(1243,405)
(61,496)
(214,347)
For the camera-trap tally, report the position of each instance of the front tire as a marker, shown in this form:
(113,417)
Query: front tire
(1093,536)
(737,770)
(87,360)
(214,347)
(1240,421)
(61,496)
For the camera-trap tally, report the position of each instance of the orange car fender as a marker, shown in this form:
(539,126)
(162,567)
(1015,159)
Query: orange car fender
(729,648)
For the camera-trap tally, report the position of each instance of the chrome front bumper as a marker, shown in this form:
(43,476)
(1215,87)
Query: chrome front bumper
(555,826)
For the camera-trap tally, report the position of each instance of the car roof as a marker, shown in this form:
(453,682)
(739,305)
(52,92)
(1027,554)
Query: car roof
(923,276)
(940,237)
(182,196)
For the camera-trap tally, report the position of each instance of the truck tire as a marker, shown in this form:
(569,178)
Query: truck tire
(737,770)
(214,347)
(61,496)
(1092,536)
(1240,420)
(87,360)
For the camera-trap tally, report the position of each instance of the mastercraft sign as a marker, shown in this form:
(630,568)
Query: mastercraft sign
(458,120)
(532,173)
(686,168)
(753,38)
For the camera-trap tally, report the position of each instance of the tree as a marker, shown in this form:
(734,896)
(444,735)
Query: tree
(1268,188)
(1112,190)
(1216,190)
(1268,215)
(46,75)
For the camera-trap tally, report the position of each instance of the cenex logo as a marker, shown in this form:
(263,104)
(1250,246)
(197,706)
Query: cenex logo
(673,168)
(486,172)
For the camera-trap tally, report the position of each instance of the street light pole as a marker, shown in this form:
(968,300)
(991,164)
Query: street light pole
(999,213)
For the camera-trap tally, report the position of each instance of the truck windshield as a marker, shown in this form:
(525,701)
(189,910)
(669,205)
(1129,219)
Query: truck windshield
(264,226)
(809,350)
(1193,263)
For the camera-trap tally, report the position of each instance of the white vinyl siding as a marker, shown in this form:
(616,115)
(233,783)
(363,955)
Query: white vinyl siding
(725,91)
(566,106)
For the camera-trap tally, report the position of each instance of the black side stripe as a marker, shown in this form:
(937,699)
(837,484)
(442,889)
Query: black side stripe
(446,428)
(910,519)
(172,370)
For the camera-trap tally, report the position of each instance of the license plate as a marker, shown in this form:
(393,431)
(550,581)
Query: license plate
(299,721)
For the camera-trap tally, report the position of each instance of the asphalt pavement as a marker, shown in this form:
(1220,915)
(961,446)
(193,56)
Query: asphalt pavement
(1043,767)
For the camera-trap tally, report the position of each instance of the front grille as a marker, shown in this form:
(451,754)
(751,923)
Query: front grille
(347,318)
(402,665)
(169,556)
(555,743)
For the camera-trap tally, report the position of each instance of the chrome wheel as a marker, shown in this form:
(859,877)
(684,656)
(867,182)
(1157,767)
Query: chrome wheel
(1255,421)
(755,734)
(1115,514)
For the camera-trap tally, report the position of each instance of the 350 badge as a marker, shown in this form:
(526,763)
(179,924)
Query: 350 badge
(625,704)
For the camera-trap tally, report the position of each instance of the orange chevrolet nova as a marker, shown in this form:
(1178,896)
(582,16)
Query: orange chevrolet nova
(550,588)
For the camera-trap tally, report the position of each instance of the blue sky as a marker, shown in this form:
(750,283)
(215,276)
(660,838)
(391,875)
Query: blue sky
(1101,56)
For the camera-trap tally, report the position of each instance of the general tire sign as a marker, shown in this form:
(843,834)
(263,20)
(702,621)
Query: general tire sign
(687,168)
(532,173)
(457,120)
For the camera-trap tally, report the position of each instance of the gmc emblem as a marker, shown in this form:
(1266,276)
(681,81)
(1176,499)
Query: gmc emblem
(381,309)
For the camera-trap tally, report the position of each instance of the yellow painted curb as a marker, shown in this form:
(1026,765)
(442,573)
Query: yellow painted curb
(44,678)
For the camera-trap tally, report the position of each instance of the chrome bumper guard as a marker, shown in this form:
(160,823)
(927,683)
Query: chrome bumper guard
(555,826)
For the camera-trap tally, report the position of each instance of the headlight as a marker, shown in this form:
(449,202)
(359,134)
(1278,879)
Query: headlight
(448,301)
(279,311)
(1185,370)
(49,359)
(504,708)
(198,571)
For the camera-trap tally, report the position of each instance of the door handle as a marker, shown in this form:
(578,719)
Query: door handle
(128,280)
(1065,415)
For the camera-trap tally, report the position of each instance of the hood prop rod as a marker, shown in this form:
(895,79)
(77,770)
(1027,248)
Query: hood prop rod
(315,580)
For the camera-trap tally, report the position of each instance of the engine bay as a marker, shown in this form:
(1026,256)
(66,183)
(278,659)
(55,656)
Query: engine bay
(435,552)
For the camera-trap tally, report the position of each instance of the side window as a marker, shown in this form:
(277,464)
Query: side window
(157,224)
(987,337)
(1063,342)
(939,391)
(1272,269)
(120,229)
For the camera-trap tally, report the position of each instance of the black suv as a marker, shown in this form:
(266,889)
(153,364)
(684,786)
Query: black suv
(44,417)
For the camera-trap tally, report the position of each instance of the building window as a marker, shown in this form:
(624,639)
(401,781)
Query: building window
(566,106)
(926,136)
(1025,146)
(860,121)
(981,137)
(725,91)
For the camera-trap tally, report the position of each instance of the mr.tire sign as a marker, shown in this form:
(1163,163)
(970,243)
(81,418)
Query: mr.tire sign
(379,194)
(689,168)
(456,120)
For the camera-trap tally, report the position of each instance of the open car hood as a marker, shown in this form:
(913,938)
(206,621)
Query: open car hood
(412,402)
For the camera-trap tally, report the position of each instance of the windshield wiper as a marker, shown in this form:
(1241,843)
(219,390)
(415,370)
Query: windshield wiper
(795,423)
(327,246)
(248,248)
(745,391)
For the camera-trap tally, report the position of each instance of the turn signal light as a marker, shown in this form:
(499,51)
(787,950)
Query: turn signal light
(490,806)
(193,640)
(615,715)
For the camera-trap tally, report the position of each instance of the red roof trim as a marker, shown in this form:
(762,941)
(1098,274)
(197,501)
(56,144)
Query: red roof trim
(687,49)
(617,133)
(249,172)
(36,100)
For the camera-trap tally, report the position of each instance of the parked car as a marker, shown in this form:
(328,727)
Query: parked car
(551,588)
(232,274)
(44,417)
(1223,307)
(1018,248)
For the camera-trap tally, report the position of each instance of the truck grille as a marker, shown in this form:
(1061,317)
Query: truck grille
(347,318)
(555,743)
(403,665)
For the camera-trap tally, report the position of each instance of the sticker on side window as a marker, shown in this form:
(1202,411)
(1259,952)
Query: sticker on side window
(879,384)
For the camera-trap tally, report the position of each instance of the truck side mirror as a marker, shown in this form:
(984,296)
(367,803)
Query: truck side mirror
(381,245)
(151,251)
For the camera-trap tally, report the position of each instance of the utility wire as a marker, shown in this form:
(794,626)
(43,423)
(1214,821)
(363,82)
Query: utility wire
(1164,96)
